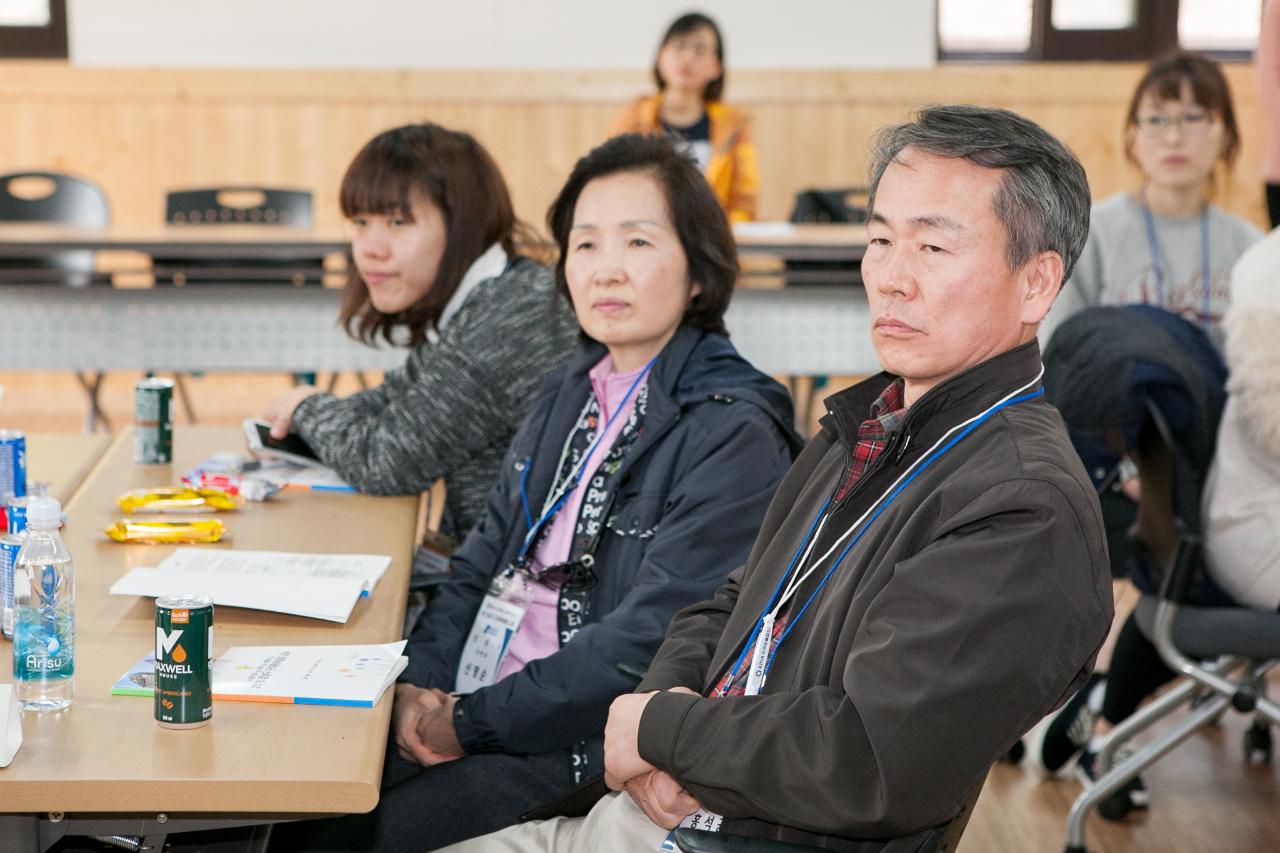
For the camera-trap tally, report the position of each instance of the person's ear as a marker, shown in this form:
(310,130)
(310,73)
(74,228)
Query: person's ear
(1041,280)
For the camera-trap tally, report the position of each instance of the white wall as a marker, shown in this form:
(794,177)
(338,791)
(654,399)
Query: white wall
(551,34)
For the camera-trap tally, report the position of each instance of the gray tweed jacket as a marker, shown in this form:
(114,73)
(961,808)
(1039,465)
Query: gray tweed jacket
(454,406)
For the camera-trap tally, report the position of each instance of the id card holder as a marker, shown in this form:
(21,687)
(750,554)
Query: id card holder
(495,626)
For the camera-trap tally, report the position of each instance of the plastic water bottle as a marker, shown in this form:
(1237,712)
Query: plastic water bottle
(44,597)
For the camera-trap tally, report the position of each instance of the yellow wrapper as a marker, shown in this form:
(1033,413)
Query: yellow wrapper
(158,531)
(177,500)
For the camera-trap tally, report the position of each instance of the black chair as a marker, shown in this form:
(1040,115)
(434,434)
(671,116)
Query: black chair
(239,205)
(941,839)
(1143,382)
(1222,654)
(846,205)
(57,199)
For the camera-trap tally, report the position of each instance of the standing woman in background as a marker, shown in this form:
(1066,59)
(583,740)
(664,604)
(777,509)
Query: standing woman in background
(1164,243)
(689,71)
(436,270)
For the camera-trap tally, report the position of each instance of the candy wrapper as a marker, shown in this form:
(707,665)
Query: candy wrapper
(232,484)
(193,531)
(182,500)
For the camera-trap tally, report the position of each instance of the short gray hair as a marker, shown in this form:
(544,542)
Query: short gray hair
(1043,200)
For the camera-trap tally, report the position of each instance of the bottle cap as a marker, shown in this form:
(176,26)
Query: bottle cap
(44,511)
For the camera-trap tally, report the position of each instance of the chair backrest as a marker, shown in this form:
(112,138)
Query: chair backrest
(54,198)
(842,204)
(239,205)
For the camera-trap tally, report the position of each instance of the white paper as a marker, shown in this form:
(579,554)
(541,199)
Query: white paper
(257,564)
(10,724)
(763,229)
(326,598)
(309,675)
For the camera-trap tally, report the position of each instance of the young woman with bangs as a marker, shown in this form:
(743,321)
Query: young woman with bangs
(436,270)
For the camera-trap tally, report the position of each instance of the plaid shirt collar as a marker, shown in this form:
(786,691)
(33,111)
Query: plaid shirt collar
(887,414)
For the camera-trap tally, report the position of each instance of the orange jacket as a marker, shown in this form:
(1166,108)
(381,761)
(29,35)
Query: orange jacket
(733,171)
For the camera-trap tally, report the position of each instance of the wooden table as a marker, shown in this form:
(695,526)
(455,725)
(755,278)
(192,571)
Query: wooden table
(62,461)
(105,765)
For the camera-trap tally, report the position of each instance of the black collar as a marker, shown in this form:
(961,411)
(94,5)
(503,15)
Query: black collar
(971,389)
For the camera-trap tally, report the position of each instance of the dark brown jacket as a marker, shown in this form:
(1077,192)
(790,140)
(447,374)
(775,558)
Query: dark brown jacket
(973,606)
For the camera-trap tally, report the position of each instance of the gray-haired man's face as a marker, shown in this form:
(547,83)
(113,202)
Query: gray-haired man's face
(941,294)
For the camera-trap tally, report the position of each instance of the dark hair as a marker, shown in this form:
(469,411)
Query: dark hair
(456,174)
(1164,80)
(700,223)
(1043,200)
(682,26)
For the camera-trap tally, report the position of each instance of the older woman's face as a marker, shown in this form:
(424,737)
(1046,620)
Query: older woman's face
(626,268)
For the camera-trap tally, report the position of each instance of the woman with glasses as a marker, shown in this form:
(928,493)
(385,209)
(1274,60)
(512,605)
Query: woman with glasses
(635,485)
(1164,243)
(689,72)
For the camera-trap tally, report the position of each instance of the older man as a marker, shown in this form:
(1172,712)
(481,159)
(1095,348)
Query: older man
(931,578)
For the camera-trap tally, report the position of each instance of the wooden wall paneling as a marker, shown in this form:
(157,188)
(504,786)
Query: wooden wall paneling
(140,132)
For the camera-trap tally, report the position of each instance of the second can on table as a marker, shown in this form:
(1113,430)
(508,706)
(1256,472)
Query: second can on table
(153,421)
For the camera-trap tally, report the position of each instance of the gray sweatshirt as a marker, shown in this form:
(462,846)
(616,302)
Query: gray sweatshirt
(454,406)
(1116,266)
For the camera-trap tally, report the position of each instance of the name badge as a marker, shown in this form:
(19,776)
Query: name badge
(496,624)
(701,819)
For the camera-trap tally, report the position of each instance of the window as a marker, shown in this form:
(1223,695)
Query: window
(1095,29)
(33,29)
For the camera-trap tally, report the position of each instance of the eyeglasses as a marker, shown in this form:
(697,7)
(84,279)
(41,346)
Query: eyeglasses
(1192,124)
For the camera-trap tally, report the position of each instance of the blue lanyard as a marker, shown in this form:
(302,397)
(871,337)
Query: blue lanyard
(1153,247)
(886,501)
(575,477)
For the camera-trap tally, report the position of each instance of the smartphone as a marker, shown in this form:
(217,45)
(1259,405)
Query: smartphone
(291,448)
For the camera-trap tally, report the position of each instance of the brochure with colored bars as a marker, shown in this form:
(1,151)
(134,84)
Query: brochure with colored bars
(354,676)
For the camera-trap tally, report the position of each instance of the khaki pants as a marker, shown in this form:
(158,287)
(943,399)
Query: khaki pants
(615,824)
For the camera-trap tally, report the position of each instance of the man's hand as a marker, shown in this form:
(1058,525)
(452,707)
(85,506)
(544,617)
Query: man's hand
(279,412)
(622,761)
(661,798)
(436,732)
(413,705)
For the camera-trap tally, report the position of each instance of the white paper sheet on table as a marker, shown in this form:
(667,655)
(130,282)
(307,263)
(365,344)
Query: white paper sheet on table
(331,599)
(368,567)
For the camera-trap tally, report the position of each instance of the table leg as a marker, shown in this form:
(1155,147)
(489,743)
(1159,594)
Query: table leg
(184,395)
(91,388)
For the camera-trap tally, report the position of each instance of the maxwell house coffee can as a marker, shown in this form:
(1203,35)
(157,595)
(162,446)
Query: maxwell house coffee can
(184,661)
